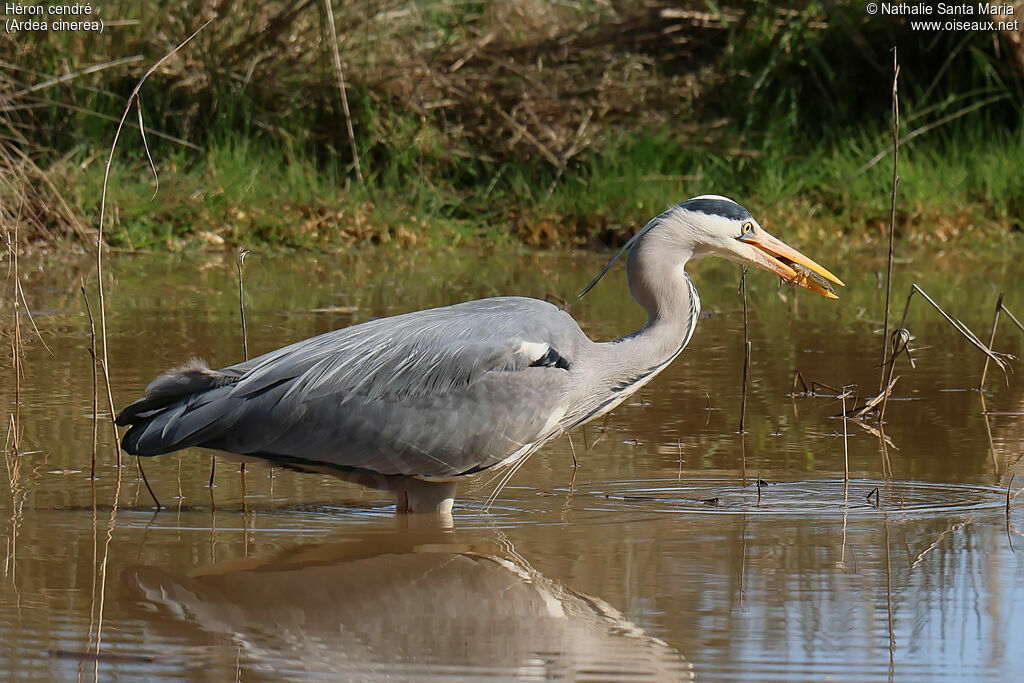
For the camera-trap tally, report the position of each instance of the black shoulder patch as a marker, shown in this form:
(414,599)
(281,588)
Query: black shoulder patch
(717,207)
(551,359)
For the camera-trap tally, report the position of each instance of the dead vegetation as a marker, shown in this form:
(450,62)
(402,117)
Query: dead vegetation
(492,105)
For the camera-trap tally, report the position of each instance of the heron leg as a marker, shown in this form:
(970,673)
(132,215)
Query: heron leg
(417,496)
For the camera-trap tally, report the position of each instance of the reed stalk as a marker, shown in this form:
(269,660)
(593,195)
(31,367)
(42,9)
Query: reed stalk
(240,263)
(95,383)
(329,11)
(1000,308)
(746,351)
(892,213)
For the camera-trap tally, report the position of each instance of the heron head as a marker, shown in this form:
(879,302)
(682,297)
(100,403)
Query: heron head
(711,225)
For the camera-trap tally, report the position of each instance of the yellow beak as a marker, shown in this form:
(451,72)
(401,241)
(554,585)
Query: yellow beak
(775,255)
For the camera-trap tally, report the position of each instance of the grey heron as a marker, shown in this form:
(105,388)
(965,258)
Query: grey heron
(412,403)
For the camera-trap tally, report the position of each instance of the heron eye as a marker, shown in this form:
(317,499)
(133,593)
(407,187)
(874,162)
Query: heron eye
(748,228)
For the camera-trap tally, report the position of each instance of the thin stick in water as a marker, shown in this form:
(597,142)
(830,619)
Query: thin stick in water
(892,214)
(746,350)
(16,342)
(901,338)
(1000,308)
(240,262)
(95,383)
(113,412)
(965,332)
(991,339)
(746,381)
(847,392)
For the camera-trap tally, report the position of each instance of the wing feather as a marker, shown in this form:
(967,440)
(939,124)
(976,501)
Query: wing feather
(432,393)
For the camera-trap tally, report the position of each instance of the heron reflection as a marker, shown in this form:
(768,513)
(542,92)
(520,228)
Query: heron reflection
(408,604)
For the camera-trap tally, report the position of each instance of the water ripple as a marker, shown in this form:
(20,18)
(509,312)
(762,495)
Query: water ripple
(810,498)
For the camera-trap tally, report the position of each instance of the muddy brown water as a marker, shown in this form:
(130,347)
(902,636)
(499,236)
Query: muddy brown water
(661,557)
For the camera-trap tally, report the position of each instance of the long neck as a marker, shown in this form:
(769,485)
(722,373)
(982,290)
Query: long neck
(617,368)
(657,282)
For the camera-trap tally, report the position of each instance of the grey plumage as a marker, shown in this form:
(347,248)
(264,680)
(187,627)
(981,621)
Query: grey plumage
(426,394)
(440,393)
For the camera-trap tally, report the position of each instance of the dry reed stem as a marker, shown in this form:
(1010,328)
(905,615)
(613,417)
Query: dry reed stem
(16,344)
(746,350)
(743,460)
(240,262)
(145,146)
(110,406)
(999,358)
(245,492)
(746,382)
(877,401)
(1000,308)
(846,445)
(892,215)
(901,341)
(95,384)
(883,444)
(19,292)
(813,389)
(991,339)
(133,98)
(798,377)
(341,88)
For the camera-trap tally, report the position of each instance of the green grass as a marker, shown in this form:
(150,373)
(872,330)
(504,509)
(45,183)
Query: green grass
(239,193)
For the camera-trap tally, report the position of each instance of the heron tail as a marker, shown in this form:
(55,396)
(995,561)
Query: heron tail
(153,420)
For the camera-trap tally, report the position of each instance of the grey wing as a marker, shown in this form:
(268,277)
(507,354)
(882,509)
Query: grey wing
(434,393)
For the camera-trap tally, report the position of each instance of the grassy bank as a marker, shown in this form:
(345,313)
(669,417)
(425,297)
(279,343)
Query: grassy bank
(544,123)
(243,195)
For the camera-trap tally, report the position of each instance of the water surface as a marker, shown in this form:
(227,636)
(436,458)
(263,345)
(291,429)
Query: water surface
(679,548)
